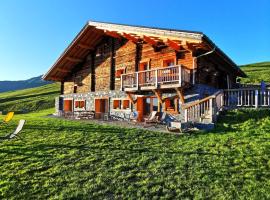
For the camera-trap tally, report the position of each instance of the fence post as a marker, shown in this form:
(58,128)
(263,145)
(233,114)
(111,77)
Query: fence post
(121,87)
(156,75)
(186,115)
(180,75)
(137,80)
(256,98)
(211,106)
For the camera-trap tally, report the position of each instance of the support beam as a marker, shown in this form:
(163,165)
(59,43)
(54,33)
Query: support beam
(63,70)
(130,98)
(113,34)
(150,40)
(73,59)
(131,37)
(158,95)
(180,93)
(85,46)
(174,45)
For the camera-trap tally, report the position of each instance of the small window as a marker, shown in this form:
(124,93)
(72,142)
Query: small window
(168,63)
(119,72)
(75,89)
(80,104)
(171,105)
(126,104)
(116,104)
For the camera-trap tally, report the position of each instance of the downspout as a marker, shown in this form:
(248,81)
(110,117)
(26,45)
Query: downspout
(195,58)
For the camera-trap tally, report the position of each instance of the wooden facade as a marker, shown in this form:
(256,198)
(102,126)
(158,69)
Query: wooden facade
(144,63)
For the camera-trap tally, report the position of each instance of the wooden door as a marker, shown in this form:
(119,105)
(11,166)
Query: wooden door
(101,106)
(68,105)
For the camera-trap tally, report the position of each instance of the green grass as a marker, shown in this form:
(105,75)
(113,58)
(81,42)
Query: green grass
(28,100)
(59,159)
(256,72)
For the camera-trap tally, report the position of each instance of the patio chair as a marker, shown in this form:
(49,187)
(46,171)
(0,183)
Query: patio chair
(7,118)
(16,132)
(161,120)
(152,118)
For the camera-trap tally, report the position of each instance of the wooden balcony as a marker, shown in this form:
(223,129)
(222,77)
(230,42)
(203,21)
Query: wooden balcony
(158,78)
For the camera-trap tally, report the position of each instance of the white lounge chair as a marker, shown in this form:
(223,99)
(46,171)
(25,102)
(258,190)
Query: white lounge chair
(16,132)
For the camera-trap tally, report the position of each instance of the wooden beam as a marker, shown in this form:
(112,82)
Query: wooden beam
(131,37)
(130,98)
(73,59)
(113,34)
(150,40)
(174,45)
(64,70)
(85,46)
(158,95)
(180,93)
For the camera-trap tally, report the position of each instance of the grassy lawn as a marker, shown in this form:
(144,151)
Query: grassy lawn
(60,159)
(28,100)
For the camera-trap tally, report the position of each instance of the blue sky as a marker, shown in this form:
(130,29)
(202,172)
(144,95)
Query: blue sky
(33,33)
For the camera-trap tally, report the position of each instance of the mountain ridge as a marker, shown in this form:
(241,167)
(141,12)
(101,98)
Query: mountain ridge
(6,86)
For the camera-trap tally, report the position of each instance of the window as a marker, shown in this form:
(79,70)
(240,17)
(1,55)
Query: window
(168,62)
(116,104)
(123,104)
(80,104)
(126,104)
(171,104)
(119,72)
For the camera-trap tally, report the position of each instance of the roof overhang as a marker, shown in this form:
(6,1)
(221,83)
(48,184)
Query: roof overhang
(93,32)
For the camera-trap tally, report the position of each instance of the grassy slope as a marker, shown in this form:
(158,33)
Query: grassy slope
(32,99)
(62,159)
(256,72)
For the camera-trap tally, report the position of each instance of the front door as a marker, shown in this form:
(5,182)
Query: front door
(145,105)
(101,107)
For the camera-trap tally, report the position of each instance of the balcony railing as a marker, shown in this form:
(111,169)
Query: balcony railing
(165,77)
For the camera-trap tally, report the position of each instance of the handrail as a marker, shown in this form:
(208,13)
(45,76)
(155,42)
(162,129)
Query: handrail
(237,89)
(153,69)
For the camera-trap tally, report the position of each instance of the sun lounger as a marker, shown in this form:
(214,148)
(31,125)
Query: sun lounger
(16,132)
(7,118)
(152,118)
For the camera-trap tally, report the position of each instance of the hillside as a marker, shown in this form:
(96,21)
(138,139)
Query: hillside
(256,72)
(28,100)
(18,85)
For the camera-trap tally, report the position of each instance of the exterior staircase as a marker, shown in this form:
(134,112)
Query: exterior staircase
(203,112)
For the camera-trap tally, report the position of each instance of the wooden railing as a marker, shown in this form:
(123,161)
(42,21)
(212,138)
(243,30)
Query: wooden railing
(155,77)
(208,107)
(246,97)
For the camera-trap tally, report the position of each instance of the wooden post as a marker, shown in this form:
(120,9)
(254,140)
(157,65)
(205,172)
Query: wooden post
(180,75)
(121,87)
(62,87)
(186,115)
(211,111)
(256,98)
(156,75)
(137,80)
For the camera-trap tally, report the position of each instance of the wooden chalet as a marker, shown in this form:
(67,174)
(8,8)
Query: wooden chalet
(114,69)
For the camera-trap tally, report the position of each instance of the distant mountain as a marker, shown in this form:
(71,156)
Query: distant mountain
(18,85)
